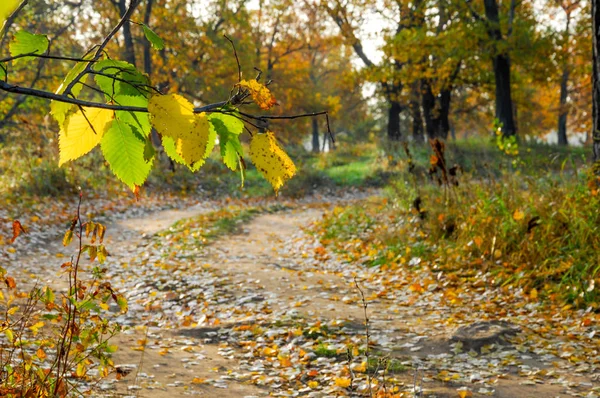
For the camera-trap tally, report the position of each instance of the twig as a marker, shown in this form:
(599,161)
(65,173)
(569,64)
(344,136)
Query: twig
(132,5)
(367,333)
(236,58)
(47,56)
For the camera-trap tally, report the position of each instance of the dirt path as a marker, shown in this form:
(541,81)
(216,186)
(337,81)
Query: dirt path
(266,312)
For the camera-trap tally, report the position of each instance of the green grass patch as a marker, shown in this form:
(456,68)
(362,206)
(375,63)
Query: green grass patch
(530,224)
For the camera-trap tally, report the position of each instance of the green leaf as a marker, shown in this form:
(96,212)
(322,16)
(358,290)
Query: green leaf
(171,149)
(60,110)
(27,43)
(229,122)
(122,303)
(119,77)
(141,120)
(149,150)
(49,296)
(2,71)
(153,38)
(228,128)
(124,152)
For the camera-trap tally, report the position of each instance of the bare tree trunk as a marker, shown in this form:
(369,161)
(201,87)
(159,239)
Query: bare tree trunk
(147,53)
(415,111)
(596,84)
(129,52)
(428,102)
(315,135)
(445,98)
(501,64)
(393,130)
(563,111)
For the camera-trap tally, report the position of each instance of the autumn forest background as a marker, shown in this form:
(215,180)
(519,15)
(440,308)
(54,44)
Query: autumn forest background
(299,198)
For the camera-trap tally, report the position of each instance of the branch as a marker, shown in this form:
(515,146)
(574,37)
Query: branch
(32,92)
(11,88)
(236,58)
(47,56)
(104,43)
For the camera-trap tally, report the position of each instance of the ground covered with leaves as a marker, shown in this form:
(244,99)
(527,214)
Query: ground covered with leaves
(468,288)
(263,300)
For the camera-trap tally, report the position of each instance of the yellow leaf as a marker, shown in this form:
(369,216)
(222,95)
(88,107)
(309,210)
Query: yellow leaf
(313,384)
(284,360)
(36,328)
(518,215)
(261,95)
(268,157)
(9,335)
(342,382)
(533,294)
(361,368)
(171,115)
(465,394)
(198,380)
(81,370)
(77,137)
(40,353)
(269,352)
(195,144)
(6,8)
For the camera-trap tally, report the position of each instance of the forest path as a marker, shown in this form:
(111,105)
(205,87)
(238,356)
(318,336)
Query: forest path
(268,311)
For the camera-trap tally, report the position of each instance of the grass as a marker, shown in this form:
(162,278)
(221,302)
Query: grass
(531,221)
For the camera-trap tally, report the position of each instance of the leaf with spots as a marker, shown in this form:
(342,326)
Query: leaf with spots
(171,115)
(272,162)
(261,95)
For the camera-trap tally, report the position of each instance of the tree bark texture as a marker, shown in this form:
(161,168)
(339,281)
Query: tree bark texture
(147,45)
(501,65)
(596,84)
(415,112)
(315,135)
(393,128)
(129,51)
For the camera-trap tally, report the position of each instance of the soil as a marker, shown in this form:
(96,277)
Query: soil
(268,270)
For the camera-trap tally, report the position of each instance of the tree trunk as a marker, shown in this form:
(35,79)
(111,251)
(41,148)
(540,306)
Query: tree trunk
(596,84)
(147,46)
(315,135)
(129,52)
(501,64)
(415,111)
(393,128)
(445,98)
(428,102)
(563,111)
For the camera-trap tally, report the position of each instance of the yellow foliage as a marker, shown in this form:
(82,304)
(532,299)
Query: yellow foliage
(6,8)
(173,116)
(261,95)
(82,132)
(194,145)
(268,157)
(342,382)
